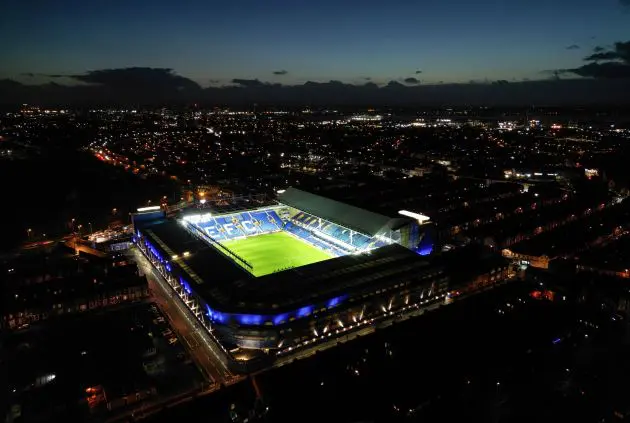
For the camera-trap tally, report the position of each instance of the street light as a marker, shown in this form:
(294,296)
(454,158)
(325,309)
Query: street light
(28,232)
(90,223)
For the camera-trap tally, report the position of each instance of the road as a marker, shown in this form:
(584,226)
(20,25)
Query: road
(205,353)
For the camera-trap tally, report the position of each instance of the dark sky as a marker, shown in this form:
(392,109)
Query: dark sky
(290,42)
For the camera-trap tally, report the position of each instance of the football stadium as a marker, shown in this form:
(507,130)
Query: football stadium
(275,278)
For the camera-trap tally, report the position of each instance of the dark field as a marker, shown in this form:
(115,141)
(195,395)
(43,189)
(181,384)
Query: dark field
(44,192)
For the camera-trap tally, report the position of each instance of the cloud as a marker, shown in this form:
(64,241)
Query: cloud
(395,85)
(608,70)
(625,3)
(136,79)
(418,72)
(46,75)
(604,55)
(248,82)
(411,81)
(623,49)
(573,47)
(280,72)
(142,86)
(605,64)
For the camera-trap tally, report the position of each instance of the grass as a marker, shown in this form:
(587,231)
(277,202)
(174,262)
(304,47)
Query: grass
(268,253)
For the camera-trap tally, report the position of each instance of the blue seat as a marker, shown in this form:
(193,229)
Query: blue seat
(262,221)
(212,229)
(226,222)
(359,240)
(274,219)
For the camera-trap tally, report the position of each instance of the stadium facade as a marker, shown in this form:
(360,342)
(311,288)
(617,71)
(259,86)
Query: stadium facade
(279,277)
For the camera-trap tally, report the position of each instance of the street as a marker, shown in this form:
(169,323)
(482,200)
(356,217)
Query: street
(207,356)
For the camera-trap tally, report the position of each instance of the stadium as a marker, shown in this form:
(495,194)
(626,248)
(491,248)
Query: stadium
(277,277)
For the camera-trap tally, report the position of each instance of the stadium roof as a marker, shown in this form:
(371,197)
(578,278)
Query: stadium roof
(204,268)
(351,217)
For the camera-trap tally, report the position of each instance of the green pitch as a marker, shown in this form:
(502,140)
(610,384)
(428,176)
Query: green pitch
(269,253)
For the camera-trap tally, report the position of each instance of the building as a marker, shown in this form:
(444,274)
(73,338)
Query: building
(352,266)
(38,294)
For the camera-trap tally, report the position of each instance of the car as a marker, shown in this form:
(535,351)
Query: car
(172,340)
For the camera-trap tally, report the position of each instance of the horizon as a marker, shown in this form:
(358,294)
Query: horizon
(143,86)
(148,52)
(292,43)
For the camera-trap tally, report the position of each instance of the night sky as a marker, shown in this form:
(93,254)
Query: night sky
(290,42)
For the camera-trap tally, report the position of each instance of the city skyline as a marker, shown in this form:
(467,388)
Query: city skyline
(350,211)
(167,261)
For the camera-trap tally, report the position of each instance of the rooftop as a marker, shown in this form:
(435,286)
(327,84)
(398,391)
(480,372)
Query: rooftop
(351,217)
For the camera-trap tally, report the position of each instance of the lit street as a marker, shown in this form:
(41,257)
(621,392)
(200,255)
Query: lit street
(202,349)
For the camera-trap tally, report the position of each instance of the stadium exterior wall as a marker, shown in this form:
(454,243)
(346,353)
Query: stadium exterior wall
(278,329)
(364,307)
(259,331)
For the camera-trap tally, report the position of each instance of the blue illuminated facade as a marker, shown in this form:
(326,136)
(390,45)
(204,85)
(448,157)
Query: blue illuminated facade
(221,317)
(267,319)
(425,240)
